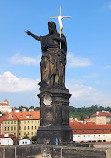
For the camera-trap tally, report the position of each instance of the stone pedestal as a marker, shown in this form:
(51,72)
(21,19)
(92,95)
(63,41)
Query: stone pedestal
(54,117)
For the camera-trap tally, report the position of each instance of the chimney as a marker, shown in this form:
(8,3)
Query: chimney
(97,112)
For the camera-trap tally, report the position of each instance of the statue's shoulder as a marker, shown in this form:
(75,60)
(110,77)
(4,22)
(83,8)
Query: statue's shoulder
(62,35)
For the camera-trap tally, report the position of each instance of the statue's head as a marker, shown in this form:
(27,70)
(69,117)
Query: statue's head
(52,27)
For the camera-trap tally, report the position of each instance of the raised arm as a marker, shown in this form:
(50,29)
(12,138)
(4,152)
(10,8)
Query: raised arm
(38,38)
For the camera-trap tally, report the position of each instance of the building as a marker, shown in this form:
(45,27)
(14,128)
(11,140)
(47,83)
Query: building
(22,123)
(91,133)
(25,142)
(5,107)
(1,124)
(7,139)
(101,117)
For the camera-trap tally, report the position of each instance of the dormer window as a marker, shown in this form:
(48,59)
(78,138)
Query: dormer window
(10,116)
(29,116)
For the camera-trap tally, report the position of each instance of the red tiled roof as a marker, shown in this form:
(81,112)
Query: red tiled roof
(1,119)
(5,100)
(4,104)
(23,115)
(9,136)
(87,119)
(101,113)
(91,129)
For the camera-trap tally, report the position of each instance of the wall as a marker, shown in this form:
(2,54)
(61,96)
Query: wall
(28,130)
(6,141)
(43,151)
(12,125)
(99,120)
(92,137)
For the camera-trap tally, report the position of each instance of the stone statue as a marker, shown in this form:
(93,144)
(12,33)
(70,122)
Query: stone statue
(53,58)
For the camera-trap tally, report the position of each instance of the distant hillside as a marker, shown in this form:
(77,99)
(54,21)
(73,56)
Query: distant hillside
(86,112)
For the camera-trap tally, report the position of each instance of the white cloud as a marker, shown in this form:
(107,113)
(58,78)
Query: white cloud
(87,95)
(107,67)
(77,61)
(11,83)
(109,6)
(18,59)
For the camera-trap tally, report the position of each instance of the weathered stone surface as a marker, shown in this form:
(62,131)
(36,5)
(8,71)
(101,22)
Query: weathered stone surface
(49,151)
(54,117)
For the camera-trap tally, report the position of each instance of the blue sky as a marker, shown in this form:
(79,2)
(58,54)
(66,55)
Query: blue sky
(88,33)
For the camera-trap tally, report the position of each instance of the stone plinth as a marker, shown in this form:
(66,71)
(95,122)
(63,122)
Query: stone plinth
(54,119)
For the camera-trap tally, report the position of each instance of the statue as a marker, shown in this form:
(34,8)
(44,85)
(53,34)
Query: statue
(54,97)
(53,58)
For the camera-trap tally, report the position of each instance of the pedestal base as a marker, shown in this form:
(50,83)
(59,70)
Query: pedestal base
(54,117)
(54,135)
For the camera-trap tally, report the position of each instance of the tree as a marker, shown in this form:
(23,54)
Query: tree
(34,138)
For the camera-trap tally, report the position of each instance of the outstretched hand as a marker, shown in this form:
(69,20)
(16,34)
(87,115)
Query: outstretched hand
(28,32)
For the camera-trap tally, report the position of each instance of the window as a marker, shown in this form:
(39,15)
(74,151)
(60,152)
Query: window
(28,133)
(19,128)
(10,116)
(8,128)
(28,122)
(32,133)
(35,127)
(29,116)
(5,122)
(24,122)
(20,122)
(11,128)
(24,127)
(14,122)
(8,122)
(35,121)
(5,129)
(104,140)
(32,127)
(11,122)
(28,127)
(24,133)
(32,121)
(14,128)
(19,133)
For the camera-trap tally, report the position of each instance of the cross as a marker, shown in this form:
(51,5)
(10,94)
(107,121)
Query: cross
(60,22)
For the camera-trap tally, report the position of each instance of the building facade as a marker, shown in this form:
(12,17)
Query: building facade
(22,124)
(25,142)
(5,107)
(101,117)
(91,133)
(7,139)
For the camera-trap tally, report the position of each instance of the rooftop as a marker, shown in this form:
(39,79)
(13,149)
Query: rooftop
(22,115)
(102,113)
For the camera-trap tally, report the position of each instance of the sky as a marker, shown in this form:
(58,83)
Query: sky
(88,33)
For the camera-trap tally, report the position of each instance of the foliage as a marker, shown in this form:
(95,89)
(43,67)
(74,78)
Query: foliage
(91,146)
(31,107)
(34,138)
(86,112)
(26,137)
